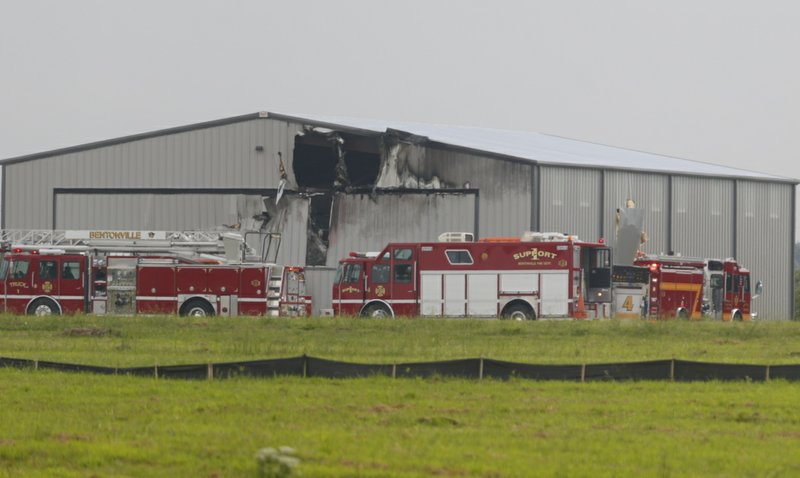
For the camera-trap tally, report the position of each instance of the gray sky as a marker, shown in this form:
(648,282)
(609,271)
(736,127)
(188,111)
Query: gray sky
(715,81)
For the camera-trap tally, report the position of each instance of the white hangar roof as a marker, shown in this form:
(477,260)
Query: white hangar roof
(539,147)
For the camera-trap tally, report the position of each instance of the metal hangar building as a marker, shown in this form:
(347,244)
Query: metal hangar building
(350,184)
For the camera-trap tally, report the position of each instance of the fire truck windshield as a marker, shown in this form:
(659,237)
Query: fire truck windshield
(19,269)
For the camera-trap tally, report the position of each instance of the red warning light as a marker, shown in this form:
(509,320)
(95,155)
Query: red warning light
(653,267)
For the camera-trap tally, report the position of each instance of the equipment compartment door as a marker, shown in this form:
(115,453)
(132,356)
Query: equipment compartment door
(455,295)
(482,295)
(554,294)
(431,294)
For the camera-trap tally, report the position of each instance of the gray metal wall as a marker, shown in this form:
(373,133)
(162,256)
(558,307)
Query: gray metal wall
(505,188)
(222,156)
(703,217)
(763,238)
(651,194)
(571,201)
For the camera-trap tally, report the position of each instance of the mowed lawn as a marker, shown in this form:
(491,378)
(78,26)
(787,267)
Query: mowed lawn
(71,424)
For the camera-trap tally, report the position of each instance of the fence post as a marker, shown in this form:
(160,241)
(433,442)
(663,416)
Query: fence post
(155,370)
(672,370)
(583,372)
(480,370)
(394,370)
(766,374)
(35,364)
(305,365)
(210,371)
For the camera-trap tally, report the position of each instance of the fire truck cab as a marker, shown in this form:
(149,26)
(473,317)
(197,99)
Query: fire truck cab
(538,275)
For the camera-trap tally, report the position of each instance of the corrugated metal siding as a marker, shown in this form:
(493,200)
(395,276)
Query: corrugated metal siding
(364,223)
(505,188)
(319,284)
(217,157)
(702,217)
(293,226)
(763,232)
(146,211)
(651,194)
(571,202)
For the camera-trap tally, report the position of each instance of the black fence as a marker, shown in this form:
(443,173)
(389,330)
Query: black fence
(478,368)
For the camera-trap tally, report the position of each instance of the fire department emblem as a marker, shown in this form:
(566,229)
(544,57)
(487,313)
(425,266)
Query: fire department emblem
(562,263)
(255,282)
(47,287)
(380,291)
(484,256)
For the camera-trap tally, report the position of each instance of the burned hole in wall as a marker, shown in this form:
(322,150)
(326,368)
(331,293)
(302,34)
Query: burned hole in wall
(362,168)
(333,160)
(314,164)
(319,225)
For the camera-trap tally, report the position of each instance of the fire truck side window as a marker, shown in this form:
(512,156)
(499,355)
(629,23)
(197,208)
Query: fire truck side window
(728,283)
(746,281)
(338,276)
(352,273)
(380,273)
(458,257)
(402,272)
(19,269)
(402,254)
(71,270)
(47,270)
(3,269)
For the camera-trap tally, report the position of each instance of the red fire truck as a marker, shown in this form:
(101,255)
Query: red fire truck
(147,276)
(693,288)
(538,275)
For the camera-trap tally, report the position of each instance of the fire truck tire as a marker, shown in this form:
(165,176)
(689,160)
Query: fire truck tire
(518,311)
(737,316)
(683,314)
(43,307)
(378,311)
(197,308)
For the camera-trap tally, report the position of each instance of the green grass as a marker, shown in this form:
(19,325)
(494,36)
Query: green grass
(135,341)
(69,424)
(54,424)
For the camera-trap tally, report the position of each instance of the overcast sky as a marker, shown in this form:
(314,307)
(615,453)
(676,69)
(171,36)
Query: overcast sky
(715,80)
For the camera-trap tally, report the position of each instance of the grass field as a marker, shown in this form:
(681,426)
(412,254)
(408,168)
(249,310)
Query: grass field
(65,424)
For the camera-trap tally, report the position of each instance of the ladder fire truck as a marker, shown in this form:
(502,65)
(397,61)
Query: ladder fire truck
(146,272)
(537,275)
(689,288)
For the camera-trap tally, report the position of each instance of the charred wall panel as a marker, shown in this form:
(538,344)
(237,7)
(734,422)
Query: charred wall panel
(504,187)
(702,217)
(651,194)
(763,227)
(571,201)
(362,222)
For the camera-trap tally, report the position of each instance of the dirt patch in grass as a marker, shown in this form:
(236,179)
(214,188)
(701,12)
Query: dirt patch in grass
(90,332)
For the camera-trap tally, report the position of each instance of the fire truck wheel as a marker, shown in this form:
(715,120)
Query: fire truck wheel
(737,316)
(518,312)
(683,314)
(43,307)
(197,308)
(377,310)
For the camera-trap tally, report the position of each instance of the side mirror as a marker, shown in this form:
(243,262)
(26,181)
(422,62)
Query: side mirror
(759,288)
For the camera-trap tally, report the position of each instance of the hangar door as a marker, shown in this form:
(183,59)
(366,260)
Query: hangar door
(188,212)
(364,222)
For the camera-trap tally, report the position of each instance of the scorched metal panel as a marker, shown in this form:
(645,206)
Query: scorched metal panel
(362,222)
